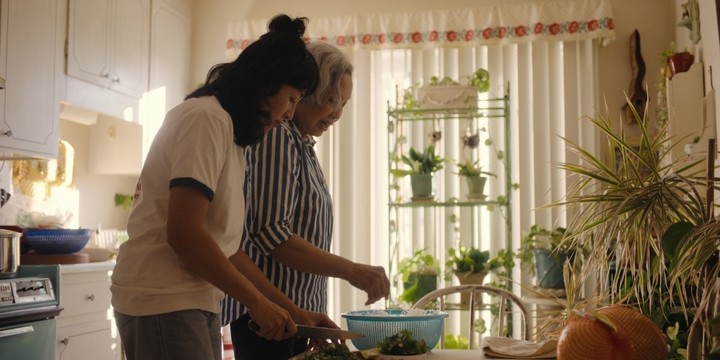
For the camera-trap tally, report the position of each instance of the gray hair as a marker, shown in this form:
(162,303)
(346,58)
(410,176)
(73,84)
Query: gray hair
(332,65)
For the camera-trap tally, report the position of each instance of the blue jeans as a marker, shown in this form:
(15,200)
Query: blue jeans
(180,335)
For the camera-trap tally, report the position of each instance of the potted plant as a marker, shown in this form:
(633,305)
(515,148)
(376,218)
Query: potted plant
(543,256)
(469,264)
(473,174)
(449,93)
(419,274)
(422,167)
(621,211)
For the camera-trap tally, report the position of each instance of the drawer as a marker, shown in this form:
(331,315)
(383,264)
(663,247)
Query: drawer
(77,299)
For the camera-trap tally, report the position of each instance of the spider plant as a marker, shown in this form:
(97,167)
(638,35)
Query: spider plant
(622,207)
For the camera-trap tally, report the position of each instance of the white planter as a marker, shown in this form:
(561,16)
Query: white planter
(443,97)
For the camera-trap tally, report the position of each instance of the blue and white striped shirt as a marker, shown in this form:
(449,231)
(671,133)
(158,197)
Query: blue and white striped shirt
(286,193)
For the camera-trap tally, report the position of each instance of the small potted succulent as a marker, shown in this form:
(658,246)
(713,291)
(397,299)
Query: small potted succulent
(422,167)
(473,174)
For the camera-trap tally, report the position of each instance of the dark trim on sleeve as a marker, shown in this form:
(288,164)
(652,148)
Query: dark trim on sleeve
(186,181)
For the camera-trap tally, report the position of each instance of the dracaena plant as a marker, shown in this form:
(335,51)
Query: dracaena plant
(620,210)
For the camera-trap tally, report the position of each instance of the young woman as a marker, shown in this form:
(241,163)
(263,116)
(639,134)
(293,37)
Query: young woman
(187,216)
(290,216)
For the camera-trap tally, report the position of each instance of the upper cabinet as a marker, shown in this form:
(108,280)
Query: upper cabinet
(109,44)
(32,35)
(169,61)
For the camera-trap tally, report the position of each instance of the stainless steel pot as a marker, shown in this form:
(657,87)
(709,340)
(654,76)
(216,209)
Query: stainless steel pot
(9,253)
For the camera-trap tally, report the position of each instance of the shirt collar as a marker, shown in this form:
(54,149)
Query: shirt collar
(306,138)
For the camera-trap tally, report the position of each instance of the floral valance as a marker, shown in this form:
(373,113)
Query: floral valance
(483,25)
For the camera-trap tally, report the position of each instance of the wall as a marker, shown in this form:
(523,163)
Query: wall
(97,195)
(655,21)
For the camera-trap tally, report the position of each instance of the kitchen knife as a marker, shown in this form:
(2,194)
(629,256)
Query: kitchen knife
(316,332)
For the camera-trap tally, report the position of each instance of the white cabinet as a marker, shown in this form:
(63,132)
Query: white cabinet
(86,327)
(169,62)
(109,43)
(32,39)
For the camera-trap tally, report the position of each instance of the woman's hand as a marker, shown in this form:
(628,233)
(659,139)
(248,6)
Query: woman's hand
(317,319)
(274,322)
(372,280)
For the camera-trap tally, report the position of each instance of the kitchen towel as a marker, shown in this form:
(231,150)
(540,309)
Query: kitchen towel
(507,348)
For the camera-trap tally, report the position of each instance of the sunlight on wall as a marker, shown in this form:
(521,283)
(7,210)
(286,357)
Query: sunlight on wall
(152,105)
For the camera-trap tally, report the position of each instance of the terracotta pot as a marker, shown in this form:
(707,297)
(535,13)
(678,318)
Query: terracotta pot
(680,62)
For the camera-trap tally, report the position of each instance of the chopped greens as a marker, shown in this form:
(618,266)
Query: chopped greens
(338,352)
(403,343)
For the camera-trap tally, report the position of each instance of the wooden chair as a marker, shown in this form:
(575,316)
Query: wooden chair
(437,300)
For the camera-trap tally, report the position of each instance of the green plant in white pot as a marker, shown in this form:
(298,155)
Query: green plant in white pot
(475,178)
(422,167)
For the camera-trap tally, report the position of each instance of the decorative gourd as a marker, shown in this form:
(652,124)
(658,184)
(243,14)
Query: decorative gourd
(590,337)
(614,332)
(645,336)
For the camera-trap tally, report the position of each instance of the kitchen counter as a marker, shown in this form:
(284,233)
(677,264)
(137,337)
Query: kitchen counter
(85,267)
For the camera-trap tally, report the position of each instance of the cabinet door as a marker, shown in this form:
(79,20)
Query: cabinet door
(31,56)
(88,35)
(109,43)
(74,344)
(130,46)
(169,63)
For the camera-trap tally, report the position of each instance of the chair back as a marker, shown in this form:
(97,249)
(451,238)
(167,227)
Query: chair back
(506,300)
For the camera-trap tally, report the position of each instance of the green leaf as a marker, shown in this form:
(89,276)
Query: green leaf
(673,235)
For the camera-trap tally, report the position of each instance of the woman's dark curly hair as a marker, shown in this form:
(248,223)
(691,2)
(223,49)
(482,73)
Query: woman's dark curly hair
(279,57)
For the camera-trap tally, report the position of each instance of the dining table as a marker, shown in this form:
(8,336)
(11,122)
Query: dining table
(455,354)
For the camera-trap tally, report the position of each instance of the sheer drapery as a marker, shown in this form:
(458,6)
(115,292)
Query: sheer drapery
(551,83)
(551,86)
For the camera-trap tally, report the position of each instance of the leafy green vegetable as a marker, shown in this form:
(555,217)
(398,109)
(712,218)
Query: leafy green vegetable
(403,343)
(337,352)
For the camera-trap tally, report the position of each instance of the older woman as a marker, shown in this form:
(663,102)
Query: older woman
(290,216)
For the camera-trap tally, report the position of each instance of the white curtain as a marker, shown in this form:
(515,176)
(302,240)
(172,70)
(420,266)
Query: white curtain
(551,81)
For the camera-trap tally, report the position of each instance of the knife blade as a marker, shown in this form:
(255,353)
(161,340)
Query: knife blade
(316,332)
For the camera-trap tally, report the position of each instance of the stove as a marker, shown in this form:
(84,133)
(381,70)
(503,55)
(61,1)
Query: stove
(29,303)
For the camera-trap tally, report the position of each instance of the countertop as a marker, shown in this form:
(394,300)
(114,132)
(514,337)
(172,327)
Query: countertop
(85,267)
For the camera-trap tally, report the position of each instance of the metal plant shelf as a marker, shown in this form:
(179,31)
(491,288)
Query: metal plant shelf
(449,203)
(449,114)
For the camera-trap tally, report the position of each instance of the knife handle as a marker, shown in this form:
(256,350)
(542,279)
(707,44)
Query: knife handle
(253,326)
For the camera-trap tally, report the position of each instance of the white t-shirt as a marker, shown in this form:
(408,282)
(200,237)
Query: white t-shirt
(194,147)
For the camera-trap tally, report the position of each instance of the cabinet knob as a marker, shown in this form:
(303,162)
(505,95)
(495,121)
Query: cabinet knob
(8,133)
(104,75)
(65,341)
(90,297)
